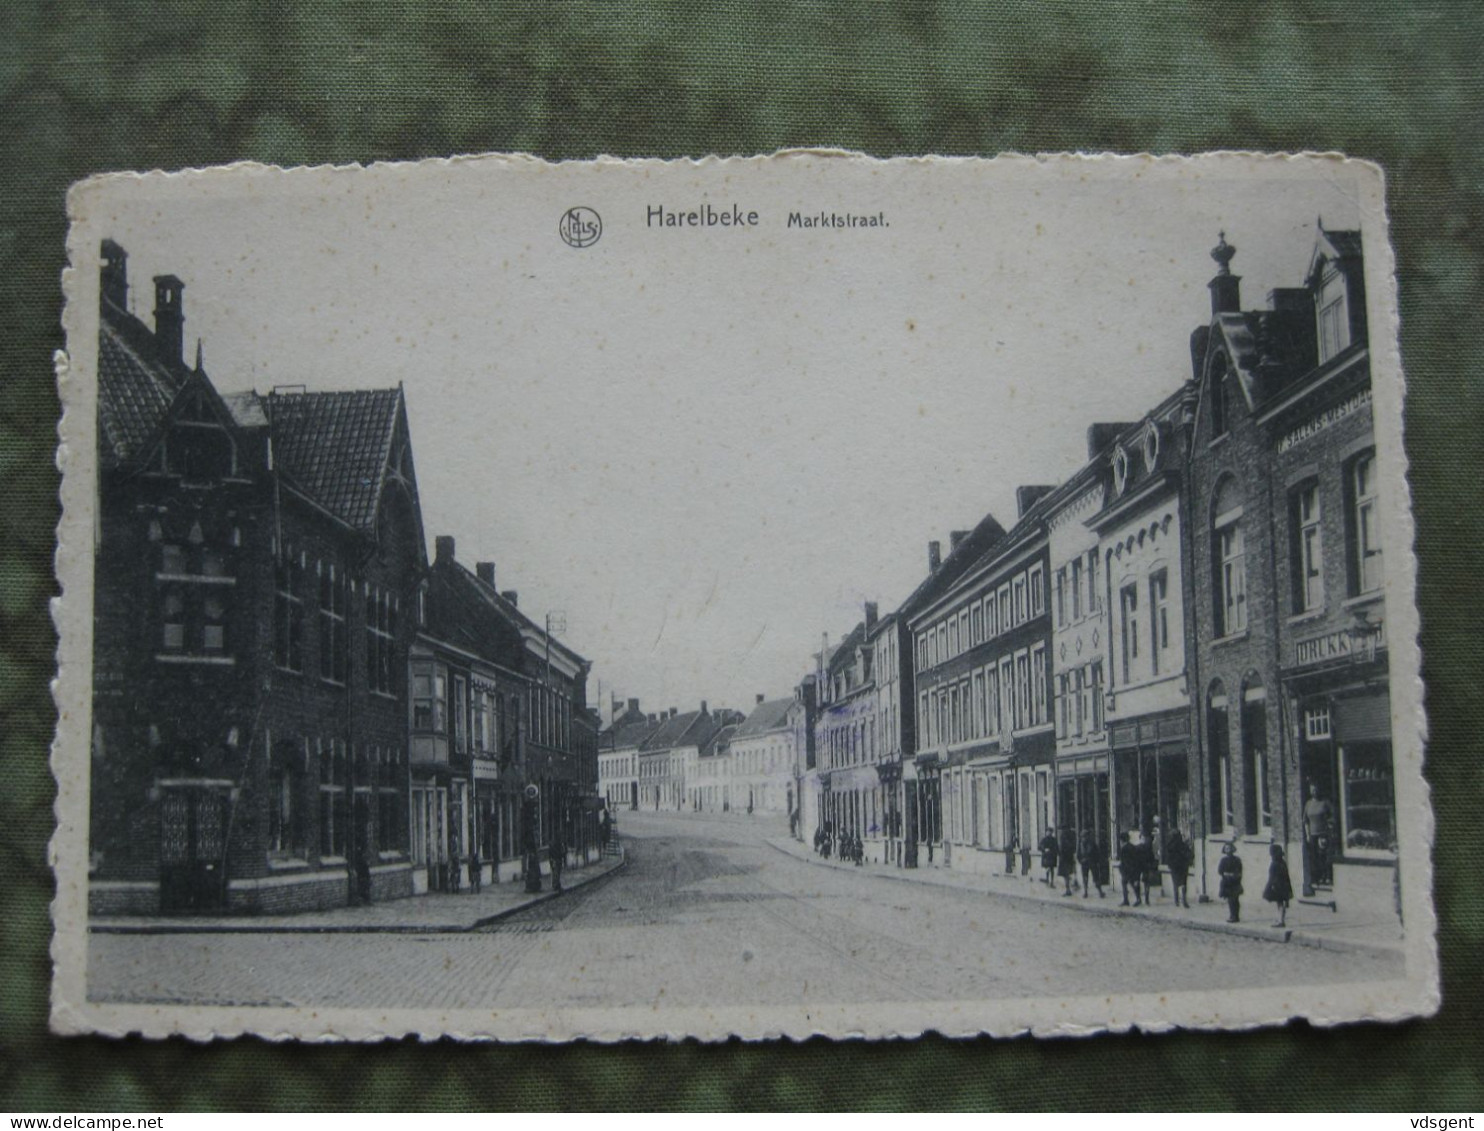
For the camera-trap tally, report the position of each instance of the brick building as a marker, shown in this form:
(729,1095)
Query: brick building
(497,706)
(255,560)
(1289,598)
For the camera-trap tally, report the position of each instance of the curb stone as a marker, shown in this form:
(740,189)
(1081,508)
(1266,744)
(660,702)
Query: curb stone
(248,927)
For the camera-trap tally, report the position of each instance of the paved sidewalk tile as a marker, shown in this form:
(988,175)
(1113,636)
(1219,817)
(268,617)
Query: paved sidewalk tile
(434,913)
(1308,924)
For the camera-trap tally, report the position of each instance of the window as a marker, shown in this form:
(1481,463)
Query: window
(1218,745)
(389,808)
(1259,810)
(480,728)
(332,641)
(1022,690)
(429,697)
(1307,549)
(1317,724)
(333,819)
(976,625)
(1093,604)
(1230,563)
(381,627)
(991,616)
(1038,685)
(1220,409)
(953,637)
(1005,620)
(1159,626)
(1020,605)
(172,617)
(1063,711)
(288,612)
(1095,691)
(1128,608)
(963,631)
(980,715)
(1334,326)
(460,714)
(285,836)
(1365,534)
(213,624)
(1038,591)
(1076,588)
(1061,597)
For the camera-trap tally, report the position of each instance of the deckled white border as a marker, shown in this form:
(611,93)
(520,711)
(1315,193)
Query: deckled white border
(1417,994)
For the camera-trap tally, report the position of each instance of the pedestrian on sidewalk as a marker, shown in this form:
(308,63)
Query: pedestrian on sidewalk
(1087,858)
(1230,871)
(1066,859)
(1010,846)
(1048,858)
(476,869)
(1025,859)
(1280,887)
(1179,855)
(1130,868)
(1153,877)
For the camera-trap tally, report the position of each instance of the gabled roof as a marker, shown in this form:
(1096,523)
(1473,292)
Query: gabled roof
(134,390)
(987,533)
(768,715)
(336,446)
(466,613)
(690,728)
(630,734)
(719,742)
(845,651)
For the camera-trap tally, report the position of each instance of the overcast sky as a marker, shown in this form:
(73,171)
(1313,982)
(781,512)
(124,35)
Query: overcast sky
(707,447)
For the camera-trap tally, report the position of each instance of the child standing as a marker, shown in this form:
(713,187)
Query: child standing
(1230,871)
(1280,887)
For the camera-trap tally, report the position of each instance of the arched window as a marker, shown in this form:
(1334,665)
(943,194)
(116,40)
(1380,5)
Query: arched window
(1218,746)
(1257,807)
(1228,560)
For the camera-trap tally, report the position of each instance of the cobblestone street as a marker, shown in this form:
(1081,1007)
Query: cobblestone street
(710,914)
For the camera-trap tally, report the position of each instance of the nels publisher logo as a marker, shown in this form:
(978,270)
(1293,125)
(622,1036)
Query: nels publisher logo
(580,227)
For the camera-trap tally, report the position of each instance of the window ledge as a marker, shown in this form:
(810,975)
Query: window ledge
(1232,638)
(193,658)
(285,863)
(1217,441)
(1307,615)
(1362,599)
(384,695)
(323,860)
(286,671)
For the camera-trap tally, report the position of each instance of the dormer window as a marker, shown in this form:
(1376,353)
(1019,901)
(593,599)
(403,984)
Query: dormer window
(1334,321)
(1120,470)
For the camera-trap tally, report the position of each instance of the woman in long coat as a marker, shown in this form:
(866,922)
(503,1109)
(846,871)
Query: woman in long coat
(1280,887)
(1066,859)
(1048,857)
(1230,871)
(1178,858)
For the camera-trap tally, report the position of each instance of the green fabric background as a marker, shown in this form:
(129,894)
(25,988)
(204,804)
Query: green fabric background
(112,85)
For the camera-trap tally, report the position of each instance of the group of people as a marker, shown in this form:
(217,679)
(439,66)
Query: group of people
(1278,890)
(848,846)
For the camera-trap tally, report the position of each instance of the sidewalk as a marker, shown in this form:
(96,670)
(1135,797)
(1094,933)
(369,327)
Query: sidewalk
(434,913)
(1346,930)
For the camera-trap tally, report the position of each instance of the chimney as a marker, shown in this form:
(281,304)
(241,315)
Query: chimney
(1291,300)
(443,548)
(485,571)
(1026,497)
(634,705)
(955,537)
(760,698)
(1226,288)
(652,720)
(673,712)
(935,556)
(169,319)
(873,610)
(512,596)
(703,708)
(114,282)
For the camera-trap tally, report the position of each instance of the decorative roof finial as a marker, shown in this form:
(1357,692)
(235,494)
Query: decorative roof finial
(198,355)
(1223,253)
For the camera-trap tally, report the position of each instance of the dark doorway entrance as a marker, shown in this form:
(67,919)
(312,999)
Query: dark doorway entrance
(193,832)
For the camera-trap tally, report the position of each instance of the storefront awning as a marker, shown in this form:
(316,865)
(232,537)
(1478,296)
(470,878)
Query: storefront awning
(1364,719)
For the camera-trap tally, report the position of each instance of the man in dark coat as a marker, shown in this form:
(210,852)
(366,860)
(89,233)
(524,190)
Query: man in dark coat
(1130,869)
(1048,858)
(1066,859)
(1178,857)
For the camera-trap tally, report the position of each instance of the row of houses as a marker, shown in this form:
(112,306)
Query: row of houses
(293,708)
(1188,633)
(705,761)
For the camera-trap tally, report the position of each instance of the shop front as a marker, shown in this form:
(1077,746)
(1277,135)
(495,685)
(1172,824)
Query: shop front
(1151,776)
(1084,797)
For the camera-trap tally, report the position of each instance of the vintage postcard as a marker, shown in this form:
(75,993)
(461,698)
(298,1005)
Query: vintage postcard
(794,595)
